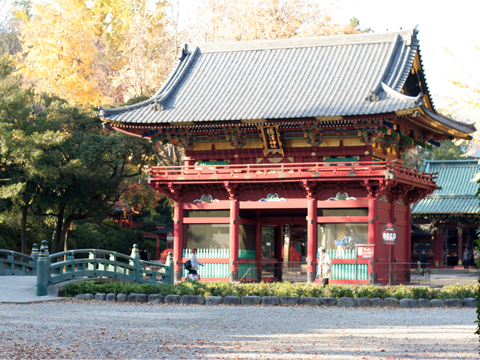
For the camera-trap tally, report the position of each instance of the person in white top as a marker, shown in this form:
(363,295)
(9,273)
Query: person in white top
(324,266)
(192,272)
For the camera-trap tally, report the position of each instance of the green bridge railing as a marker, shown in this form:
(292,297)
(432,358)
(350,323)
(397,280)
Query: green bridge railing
(85,263)
(25,266)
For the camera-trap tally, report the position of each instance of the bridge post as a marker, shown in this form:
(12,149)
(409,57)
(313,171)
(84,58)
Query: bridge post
(35,252)
(170,270)
(43,272)
(71,268)
(35,258)
(138,266)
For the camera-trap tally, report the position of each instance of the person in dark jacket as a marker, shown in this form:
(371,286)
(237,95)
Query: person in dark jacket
(466,259)
(144,255)
(422,260)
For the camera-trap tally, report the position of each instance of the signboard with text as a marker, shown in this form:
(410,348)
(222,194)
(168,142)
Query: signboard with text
(389,234)
(365,252)
(271,140)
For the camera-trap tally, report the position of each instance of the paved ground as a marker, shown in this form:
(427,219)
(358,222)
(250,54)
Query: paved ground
(21,289)
(80,330)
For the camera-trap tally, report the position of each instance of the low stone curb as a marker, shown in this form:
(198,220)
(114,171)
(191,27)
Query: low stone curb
(390,302)
(312,301)
(270,300)
(192,300)
(85,297)
(363,302)
(437,303)
(251,300)
(141,298)
(100,297)
(156,298)
(408,303)
(231,300)
(213,300)
(289,300)
(423,303)
(346,302)
(283,300)
(470,303)
(328,301)
(172,299)
(454,303)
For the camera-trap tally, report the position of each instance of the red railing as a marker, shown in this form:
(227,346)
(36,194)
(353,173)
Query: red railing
(289,171)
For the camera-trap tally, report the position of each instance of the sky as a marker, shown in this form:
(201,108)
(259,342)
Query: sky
(445,28)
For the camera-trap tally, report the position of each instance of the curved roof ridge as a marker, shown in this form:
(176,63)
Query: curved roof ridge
(416,100)
(451,161)
(337,40)
(169,85)
(459,125)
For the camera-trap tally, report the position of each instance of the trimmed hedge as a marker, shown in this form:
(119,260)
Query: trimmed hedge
(274,289)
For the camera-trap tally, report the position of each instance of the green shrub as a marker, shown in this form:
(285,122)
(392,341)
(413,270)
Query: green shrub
(339,291)
(273,289)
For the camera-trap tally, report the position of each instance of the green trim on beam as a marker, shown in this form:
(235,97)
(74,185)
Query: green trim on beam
(158,138)
(423,145)
(407,139)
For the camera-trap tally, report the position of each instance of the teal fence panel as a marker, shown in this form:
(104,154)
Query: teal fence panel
(346,271)
(13,263)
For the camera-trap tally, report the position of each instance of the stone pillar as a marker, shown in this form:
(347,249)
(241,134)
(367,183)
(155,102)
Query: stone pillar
(311,239)
(178,239)
(234,231)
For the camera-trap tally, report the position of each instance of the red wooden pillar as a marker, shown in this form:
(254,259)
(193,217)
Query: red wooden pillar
(157,255)
(234,231)
(408,216)
(311,239)
(373,233)
(258,251)
(178,239)
(460,246)
(278,251)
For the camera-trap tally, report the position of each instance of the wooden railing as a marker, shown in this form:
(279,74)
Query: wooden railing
(289,171)
(16,263)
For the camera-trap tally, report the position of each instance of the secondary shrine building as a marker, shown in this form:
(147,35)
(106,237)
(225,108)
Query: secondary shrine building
(291,145)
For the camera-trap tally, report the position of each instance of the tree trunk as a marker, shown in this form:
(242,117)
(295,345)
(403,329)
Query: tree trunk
(24,230)
(64,233)
(57,231)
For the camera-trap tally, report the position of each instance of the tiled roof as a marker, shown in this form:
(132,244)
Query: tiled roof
(454,176)
(457,193)
(457,125)
(167,229)
(295,78)
(453,205)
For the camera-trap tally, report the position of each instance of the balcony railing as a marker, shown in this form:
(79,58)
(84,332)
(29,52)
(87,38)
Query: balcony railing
(293,171)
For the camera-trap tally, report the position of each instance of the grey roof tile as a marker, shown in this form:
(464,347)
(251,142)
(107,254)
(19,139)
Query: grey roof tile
(295,78)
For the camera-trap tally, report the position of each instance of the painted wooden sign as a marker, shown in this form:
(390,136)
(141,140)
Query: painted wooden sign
(271,140)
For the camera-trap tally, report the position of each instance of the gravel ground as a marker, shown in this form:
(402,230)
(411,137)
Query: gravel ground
(99,330)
